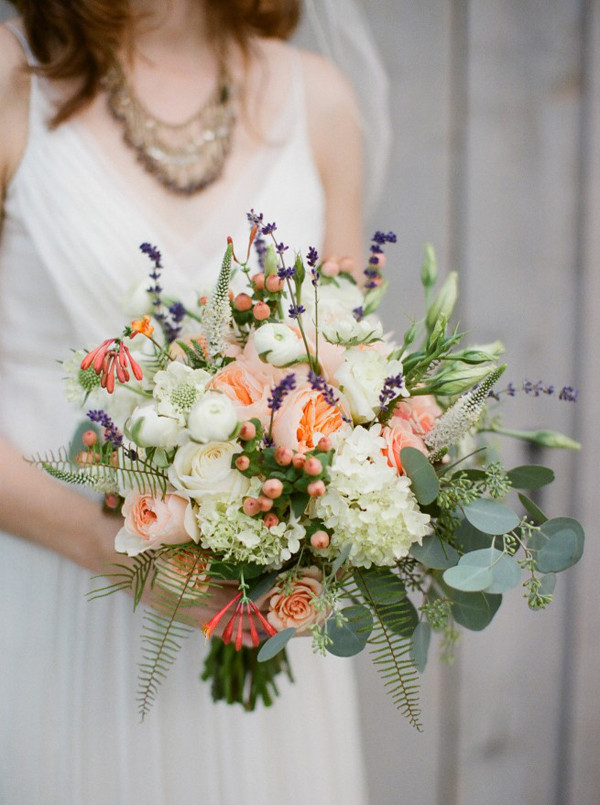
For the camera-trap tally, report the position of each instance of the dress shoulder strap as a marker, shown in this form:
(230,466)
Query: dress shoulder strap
(22,40)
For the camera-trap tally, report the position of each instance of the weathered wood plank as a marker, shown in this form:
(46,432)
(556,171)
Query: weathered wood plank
(523,120)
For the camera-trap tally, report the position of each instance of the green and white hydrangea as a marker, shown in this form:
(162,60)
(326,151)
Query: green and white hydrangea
(368,505)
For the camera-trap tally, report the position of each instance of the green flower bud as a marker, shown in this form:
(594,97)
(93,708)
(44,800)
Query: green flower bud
(543,438)
(444,302)
(458,378)
(429,268)
(300,270)
(480,354)
(271,262)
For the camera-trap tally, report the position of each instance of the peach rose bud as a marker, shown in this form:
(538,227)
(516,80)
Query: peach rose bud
(259,281)
(330,268)
(247,431)
(320,540)
(251,506)
(312,466)
(270,520)
(273,283)
(242,463)
(316,489)
(266,504)
(284,456)
(325,444)
(89,438)
(242,302)
(261,311)
(273,488)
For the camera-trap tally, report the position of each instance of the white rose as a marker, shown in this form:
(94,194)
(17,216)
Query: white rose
(351,332)
(199,470)
(361,377)
(278,345)
(148,429)
(213,418)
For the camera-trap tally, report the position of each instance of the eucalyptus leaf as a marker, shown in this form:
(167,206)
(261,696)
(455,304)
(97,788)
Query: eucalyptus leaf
(536,514)
(559,544)
(341,558)
(434,553)
(505,569)
(424,481)
(468,538)
(531,476)
(474,611)
(381,586)
(350,637)
(262,586)
(548,583)
(468,578)
(491,517)
(275,644)
(419,649)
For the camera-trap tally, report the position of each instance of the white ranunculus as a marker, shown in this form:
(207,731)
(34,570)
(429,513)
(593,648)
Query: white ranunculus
(213,418)
(201,470)
(148,429)
(351,332)
(278,344)
(361,377)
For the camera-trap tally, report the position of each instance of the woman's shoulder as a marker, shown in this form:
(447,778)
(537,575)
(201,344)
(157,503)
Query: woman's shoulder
(14,103)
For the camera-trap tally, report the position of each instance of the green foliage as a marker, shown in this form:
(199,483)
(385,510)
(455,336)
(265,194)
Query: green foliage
(275,644)
(424,481)
(349,630)
(390,645)
(558,544)
(503,571)
(435,553)
(130,578)
(530,477)
(473,610)
(491,517)
(536,514)
(194,354)
(136,473)
(420,645)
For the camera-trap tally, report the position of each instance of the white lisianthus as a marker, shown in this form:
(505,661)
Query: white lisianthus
(278,344)
(177,388)
(213,418)
(350,332)
(201,470)
(148,429)
(362,376)
(367,504)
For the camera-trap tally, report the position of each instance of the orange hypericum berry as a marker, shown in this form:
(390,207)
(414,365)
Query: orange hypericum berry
(320,540)
(242,302)
(312,466)
(316,489)
(247,431)
(261,311)
(89,438)
(242,463)
(272,488)
(270,520)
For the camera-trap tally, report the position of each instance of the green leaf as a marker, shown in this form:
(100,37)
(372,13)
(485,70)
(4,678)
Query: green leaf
(548,583)
(435,553)
(424,481)
(401,618)
(536,514)
(262,586)
(469,538)
(473,610)
(383,586)
(350,637)
(275,644)
(468,578)
(532,476)
(491,517)
(420,645)
(299,503)
(341,558)
(505,570)
(559,544)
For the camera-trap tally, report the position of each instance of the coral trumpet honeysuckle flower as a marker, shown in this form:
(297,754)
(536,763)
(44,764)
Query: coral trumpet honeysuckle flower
(142,326)
(209,627)
(244,609)
(111,359)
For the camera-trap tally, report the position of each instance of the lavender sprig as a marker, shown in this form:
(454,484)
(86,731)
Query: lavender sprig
(112,434)
(318,383)
(287,384)
(392,386)
(567,393)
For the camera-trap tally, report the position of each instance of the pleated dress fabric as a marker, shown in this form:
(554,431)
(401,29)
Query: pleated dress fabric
(69,726)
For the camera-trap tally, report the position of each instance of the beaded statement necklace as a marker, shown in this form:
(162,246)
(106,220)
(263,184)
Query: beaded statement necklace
(184,157)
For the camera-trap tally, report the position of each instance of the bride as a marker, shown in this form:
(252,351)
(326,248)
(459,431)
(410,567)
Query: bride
(161,121)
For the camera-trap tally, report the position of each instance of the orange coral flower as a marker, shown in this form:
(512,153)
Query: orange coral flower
(142,326)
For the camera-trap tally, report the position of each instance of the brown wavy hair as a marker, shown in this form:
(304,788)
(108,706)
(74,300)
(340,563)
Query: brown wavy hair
(79,40)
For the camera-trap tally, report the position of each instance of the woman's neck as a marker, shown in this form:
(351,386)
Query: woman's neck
(169,28)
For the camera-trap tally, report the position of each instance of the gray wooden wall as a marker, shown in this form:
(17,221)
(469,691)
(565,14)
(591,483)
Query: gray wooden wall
(496,107)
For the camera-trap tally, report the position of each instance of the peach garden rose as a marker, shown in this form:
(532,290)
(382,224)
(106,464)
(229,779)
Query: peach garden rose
(305,417)
(397,435)
(151,522)
(293,607)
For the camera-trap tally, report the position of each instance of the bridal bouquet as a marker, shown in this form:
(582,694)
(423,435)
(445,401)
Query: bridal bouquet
(270,443)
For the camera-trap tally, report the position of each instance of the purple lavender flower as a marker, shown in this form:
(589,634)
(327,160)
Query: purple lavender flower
(281,248)
(279,392)
(268,229)
(391,388)
(296,310)
(318,383)
(312,257)
(358,313)
(153,253)
(285,273)
(112,434)
(568,393)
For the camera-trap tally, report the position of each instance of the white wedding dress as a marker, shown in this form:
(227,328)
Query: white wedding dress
(70,732)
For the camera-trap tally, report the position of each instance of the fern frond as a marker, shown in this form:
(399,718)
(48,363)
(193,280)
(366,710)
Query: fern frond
(130,578)
(163,635)
(196,359)
(136,473)
(390,642)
